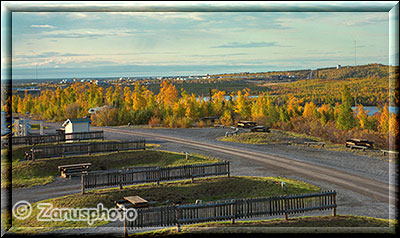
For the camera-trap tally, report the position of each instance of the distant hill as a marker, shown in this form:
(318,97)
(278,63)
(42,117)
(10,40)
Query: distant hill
(345,72)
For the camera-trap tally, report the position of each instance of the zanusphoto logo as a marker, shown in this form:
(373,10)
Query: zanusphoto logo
(23,209)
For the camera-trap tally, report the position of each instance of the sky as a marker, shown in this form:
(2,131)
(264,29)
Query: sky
(130,44)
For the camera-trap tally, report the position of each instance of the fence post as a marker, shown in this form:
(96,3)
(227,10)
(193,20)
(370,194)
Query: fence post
(285,208)
(120,180)
(334,202)
(178,226)
(83,183)
(191,173)
(229,169)
(33,153)
(233,211)
(158,175)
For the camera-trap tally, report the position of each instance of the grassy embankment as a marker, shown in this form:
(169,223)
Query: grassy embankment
(43,171)
(298,140)
(339,223)
(206,189)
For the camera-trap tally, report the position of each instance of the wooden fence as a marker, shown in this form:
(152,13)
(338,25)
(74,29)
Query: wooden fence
(152,174)
(232,209)
(63,150)
(41,139)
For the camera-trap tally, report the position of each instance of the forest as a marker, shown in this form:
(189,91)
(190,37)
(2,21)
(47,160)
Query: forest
(331,119)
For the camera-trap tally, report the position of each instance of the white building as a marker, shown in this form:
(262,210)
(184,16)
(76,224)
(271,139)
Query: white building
(76,125)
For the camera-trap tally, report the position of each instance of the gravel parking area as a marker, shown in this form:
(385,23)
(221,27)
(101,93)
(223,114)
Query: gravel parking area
(349,203)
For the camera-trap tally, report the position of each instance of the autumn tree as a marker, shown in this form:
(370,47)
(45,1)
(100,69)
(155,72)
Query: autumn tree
(310,111)
(168,94)
(384,120)
(242,106)
(362,116)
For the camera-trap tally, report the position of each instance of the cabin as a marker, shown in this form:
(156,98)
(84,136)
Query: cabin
(76,125)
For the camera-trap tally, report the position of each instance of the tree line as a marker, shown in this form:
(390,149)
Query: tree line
(171,108)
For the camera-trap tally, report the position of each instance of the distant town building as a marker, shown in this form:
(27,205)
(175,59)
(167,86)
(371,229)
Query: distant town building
(77,125)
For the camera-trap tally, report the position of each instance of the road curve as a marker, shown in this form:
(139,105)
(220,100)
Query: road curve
(371,188)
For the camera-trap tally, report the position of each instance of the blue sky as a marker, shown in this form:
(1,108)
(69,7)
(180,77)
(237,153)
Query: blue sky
(121,44)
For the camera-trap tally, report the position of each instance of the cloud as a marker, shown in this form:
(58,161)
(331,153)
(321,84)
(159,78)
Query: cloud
(365,20)
(248,45)
(49,54)
(90,33)
(43,26)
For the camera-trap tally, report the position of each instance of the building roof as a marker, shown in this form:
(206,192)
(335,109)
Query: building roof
(76,120)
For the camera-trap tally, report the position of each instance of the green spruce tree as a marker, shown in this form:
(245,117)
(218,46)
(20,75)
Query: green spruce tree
(345,119)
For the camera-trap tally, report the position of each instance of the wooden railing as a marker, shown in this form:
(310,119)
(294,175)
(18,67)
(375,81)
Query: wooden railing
(152,174)
(232,209)
(41,139)
(63,150)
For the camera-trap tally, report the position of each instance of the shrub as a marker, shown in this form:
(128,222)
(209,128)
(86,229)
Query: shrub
(154,122)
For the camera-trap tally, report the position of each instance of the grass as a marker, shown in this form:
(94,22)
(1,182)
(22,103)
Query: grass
(206,189)
(339,222)
(273,137)
(43,171)
(296,139)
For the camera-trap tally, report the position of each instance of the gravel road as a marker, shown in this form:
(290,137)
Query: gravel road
(348,202)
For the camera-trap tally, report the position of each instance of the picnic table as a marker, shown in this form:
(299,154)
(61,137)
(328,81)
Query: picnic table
(359,144)
(132,201)
(246,124)
(73,169)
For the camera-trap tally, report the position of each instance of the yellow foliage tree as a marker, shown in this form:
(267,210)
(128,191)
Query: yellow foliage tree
(384,120)
(309,111)
(168,94)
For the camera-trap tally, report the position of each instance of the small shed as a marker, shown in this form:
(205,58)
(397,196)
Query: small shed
(77,125)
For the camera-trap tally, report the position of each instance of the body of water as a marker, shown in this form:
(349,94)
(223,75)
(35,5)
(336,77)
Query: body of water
(372,110)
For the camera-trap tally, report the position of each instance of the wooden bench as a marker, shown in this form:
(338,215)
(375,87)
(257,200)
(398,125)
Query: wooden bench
(73,169)
(389,152)
(308,143)
(363,148)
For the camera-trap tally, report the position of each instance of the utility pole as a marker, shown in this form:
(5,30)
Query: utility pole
(355,53)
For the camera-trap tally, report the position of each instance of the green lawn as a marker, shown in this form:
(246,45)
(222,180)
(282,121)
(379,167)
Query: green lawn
(339,222)
(206,189)
(42,171)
